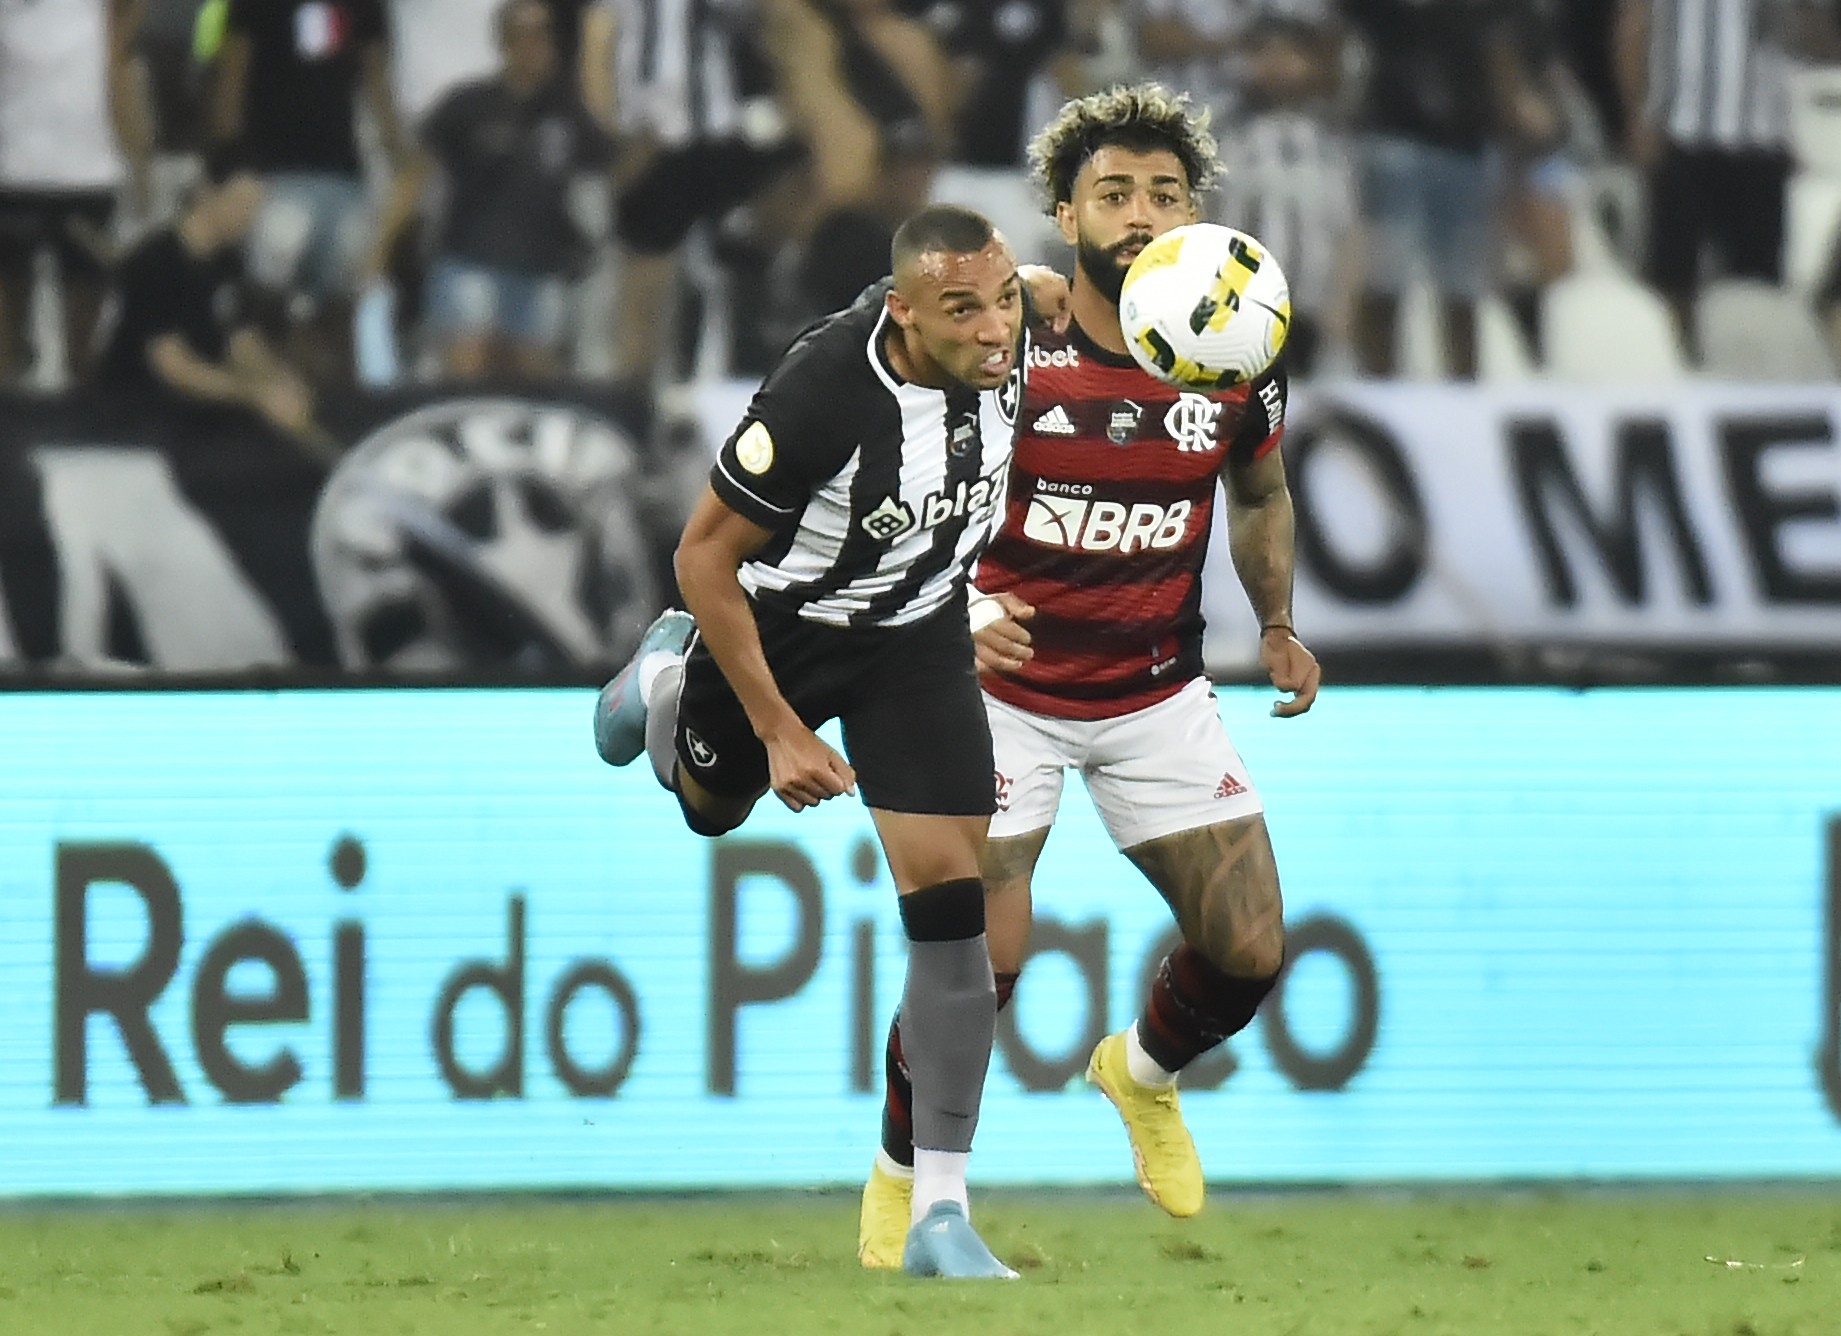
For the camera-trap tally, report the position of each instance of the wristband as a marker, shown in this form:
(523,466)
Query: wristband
(1278,626)
(982,610)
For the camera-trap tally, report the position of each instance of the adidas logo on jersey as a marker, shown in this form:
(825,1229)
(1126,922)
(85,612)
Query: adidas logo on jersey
(1229,787)
(1055,422)
(1106,526)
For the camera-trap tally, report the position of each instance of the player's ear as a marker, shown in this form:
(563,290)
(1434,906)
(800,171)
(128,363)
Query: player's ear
(899,310)
(1064,221)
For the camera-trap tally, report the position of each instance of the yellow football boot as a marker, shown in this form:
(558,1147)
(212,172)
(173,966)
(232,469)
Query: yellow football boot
(882,1228)
(1161,1148)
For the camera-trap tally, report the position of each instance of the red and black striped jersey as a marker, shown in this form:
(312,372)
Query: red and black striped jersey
(1105,525)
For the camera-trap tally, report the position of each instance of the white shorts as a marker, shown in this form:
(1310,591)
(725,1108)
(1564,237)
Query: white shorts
(1151,773)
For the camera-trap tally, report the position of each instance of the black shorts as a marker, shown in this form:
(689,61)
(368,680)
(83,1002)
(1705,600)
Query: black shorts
(1730,201)
(73,223)
(908,697)
(681,186)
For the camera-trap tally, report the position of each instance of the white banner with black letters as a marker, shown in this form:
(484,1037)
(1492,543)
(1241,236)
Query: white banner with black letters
(1688,519)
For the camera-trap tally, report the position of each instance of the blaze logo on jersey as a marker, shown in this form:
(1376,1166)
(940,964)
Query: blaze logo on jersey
(894,517)
(1080,525)
(889,520)
(1192,421)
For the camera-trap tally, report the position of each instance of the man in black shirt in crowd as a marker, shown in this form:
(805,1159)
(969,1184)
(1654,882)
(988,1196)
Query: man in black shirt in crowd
(508,149)
(177,327)
(289,77)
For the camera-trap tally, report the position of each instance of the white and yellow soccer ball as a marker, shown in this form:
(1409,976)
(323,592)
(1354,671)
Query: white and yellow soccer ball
(1205,307)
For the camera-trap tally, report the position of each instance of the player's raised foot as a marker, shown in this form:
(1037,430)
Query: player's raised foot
(620,710)
(882,1227)
(943,1243)
(1161,1148)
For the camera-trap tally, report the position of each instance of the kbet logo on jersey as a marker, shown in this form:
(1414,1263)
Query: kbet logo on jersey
(1080,524)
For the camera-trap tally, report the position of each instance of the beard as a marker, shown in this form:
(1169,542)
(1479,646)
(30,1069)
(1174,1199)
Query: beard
(1102,266)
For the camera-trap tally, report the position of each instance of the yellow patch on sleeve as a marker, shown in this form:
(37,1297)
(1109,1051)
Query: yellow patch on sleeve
(754,451)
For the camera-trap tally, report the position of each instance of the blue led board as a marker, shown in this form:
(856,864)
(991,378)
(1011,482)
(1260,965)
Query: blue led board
(424,940)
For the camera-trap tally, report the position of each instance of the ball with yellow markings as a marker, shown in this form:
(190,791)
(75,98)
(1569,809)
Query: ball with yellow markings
(1205,307)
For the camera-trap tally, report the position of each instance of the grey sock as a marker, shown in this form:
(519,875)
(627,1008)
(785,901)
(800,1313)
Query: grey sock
(662,723)
(948,1014)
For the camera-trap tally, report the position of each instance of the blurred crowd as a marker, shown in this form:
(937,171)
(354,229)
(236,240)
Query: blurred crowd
(256,202)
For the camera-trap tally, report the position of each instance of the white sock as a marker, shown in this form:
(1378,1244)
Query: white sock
(939,1175)
(1142,1066)
(650,667)
(893,1167)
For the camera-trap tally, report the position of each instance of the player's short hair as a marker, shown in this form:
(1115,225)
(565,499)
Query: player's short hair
(1143,117)
(940,227)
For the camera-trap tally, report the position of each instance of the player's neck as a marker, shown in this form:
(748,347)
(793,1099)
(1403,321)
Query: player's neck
(1096,314)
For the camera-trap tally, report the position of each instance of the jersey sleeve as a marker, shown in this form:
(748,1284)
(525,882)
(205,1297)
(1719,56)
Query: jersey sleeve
(1262,426)
(787,443)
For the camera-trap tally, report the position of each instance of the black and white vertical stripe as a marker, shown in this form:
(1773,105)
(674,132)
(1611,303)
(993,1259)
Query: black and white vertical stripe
(1718,71)
(836,567)
(1291,183)
(675,69)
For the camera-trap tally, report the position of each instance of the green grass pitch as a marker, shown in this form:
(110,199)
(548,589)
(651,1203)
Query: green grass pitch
(1342,1264)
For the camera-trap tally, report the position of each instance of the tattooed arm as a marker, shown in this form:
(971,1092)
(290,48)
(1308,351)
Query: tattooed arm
(1260,530)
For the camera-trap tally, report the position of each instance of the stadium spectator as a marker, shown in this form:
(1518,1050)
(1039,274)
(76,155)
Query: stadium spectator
(1195,47)
(1290,180)
(1705,93)
(1432,108)
(682,85)
(435,45)
(75,128)
(508,149)
(996,52)
(290,73)
(782,271)
(854,74)
(1548,127)
(179,327)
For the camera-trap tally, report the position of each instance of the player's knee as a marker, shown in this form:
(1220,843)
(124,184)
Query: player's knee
(1257,952)
(712,819)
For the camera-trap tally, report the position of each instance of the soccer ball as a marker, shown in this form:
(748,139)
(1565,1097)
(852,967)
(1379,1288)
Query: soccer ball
(1205,307)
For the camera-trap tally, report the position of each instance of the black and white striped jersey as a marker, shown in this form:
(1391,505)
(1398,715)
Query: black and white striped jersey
(1290,181)
(1718,71)
(676,75)
(880,493)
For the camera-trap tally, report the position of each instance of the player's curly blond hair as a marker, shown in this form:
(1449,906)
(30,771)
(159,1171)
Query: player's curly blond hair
(1144,117)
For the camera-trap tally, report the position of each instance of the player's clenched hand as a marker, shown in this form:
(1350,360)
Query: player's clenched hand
(1050,294)
(803,771)
(1293,669)
(1002,644)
